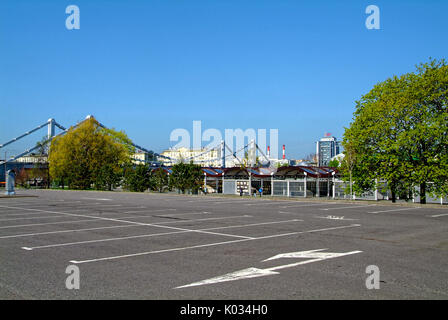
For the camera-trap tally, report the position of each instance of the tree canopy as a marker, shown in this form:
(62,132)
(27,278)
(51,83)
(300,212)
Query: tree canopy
(89,156)
(399,133)
(186,177)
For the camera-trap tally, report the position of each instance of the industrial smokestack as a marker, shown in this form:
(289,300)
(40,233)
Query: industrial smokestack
(269,151)
(283,152)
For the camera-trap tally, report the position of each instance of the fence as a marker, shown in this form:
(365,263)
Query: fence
(326,188)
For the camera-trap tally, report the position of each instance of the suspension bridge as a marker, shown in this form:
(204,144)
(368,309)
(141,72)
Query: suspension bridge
(222,148)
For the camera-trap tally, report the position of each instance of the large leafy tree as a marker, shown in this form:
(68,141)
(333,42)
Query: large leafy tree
(399,133)
(186,177)
(159,180)
(89,156)
(137,178)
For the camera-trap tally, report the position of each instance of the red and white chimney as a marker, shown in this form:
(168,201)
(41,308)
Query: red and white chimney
(269,151)
(283,152)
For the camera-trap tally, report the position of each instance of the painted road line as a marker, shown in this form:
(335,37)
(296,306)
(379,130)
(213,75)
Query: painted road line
(149,210)
(396,210)
(53,217)
(96,220)
(147,235)
(205,245)
(307,204)
(439,215)
(62,206)
(335,218)
(32,218)
(263,202)
(65,231)
(184,214)
(351,207)
(111,227)
(42,205)
(204,219)
(98,199)
(141,223)
(203,200)
(20,214)
(48,223)
(232,201)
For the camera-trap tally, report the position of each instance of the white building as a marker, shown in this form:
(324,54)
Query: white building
(32,159)
(203,157)
(140,157)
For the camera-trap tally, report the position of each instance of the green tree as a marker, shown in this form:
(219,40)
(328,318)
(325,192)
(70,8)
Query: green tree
(399,133)
(88,155)
(159,179)
(186,177)
(137,178)
(333,163)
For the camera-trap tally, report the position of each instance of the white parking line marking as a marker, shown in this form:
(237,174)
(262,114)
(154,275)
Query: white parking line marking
(205,219)
(149,210)
(64,231)
(111,227)
(19,214)
(31,218)
(206,245)
(439,215)
(335,218)
(307,204)
(98,199)
(395,210)
(135,222)
(48,223)
(46,205)
(152,235)
(351,207)
(263,202)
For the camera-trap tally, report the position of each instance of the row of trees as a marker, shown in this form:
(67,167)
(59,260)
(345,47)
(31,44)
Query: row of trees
(184,177)
(399,134)
(90,156)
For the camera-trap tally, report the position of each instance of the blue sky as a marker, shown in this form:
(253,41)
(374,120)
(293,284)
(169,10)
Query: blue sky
(148,67)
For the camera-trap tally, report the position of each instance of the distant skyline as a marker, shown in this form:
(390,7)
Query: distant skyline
(149,67)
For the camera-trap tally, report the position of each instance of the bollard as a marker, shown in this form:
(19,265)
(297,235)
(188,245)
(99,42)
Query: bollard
(10,182)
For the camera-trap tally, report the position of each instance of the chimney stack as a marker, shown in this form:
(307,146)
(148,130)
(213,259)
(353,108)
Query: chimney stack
(283,152)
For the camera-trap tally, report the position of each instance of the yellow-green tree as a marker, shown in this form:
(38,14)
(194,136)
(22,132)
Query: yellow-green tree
(89,156)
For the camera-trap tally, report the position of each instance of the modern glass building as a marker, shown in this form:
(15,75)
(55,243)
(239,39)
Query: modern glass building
(327,148)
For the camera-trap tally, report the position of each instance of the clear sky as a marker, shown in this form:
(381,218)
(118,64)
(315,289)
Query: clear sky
(148,67)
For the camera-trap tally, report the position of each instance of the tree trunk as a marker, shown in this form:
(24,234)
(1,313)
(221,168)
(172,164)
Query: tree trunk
(423,193)
(394,192)
(351,186)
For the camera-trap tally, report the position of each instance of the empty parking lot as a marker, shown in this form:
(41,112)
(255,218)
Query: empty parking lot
(159,246)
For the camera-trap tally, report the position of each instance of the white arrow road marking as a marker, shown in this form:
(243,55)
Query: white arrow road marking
(313,255)
(237,275)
